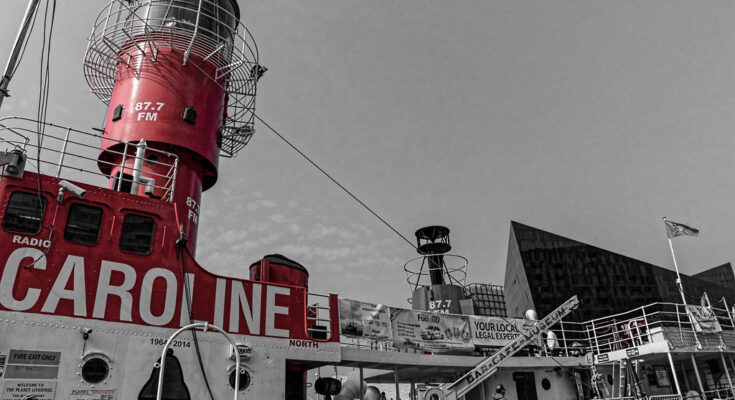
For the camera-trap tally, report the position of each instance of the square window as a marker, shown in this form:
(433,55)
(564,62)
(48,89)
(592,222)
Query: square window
(137,234)
(83,224)
(24,213)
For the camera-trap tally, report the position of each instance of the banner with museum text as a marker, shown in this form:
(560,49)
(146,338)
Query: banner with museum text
(364,320)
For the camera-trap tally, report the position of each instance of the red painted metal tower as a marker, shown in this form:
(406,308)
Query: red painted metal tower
(179,76)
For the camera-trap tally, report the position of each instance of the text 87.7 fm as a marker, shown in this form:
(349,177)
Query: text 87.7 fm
(148,110)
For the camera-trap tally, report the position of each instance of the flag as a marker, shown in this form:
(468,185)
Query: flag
(704,301)
(674,229)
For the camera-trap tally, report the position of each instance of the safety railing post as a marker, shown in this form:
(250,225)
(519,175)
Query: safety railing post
(564,339)
(645,324)
(63,153)
(594,334)
(121,174)
(678,321)
(173,182)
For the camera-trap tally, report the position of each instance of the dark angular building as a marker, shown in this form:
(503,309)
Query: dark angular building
(544,269)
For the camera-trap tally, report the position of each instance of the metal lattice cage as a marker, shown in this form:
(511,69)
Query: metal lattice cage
(207,34)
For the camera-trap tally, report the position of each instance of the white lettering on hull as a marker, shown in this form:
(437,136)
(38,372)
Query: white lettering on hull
(239,301)
(247,301)
(271,309)
(18,239)
(105,289)
(73,265)
(219,302)
(7,282)
(146,295)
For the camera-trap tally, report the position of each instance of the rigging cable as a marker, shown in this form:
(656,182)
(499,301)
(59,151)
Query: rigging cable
(43,94)
(181,254)
(335,181)
(45,72)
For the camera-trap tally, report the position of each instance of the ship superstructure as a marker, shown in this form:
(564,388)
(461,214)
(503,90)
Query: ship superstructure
(98,267)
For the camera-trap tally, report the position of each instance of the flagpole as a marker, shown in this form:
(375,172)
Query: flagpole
(676,267)
(681,288)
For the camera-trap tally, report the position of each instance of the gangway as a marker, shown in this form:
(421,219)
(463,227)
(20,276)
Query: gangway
(486,368)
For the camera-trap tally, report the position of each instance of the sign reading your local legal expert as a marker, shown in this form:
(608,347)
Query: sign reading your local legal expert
(495,331)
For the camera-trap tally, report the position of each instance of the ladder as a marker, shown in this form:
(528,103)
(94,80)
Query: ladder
(623,378)
(597,379)
(486,368)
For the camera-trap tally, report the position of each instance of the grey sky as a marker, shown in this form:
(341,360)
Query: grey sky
(590,119)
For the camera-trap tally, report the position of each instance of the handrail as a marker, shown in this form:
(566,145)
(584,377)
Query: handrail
(317,323)
(654,322)
(71,151)
(206,326)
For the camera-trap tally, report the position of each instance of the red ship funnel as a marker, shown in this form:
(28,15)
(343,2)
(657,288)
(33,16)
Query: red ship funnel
(275,268)
(178,76)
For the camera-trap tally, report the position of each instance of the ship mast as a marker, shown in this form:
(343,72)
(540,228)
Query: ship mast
(15,55)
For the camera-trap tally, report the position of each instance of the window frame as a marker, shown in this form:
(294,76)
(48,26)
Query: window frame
(99,224)
(153,233)
(44,205)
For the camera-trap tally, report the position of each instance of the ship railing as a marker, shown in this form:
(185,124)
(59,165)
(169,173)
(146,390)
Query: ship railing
(656,322)
(571,340)
(372,344)
(69,153)
(12,139)
(720,392)
(318,316)
(670,397)
(418,270)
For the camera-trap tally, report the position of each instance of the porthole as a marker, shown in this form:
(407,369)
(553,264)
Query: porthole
(546,384)
(95,370)
(244,379)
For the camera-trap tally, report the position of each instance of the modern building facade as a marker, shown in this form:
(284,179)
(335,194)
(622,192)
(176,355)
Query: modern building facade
(544,269)
(488,300)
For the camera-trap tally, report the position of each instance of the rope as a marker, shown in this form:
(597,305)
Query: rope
(44,87)
(180,254)
(325,173)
